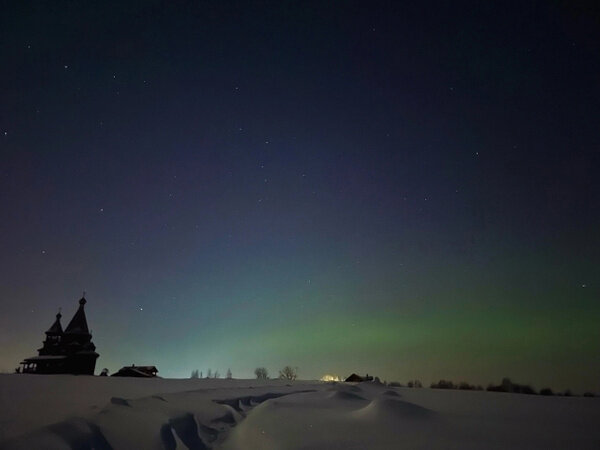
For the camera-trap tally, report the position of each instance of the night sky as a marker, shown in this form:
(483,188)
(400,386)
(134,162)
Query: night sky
(405,190)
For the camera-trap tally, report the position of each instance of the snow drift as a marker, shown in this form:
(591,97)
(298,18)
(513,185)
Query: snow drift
(103,413)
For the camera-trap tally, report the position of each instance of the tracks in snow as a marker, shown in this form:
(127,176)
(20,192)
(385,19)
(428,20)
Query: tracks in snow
(117,424)
(198,436)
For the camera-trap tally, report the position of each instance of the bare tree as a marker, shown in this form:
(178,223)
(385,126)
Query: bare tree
(288,373)
(195,374)
(209,373)
(229,376)
(261,373)
(217,374)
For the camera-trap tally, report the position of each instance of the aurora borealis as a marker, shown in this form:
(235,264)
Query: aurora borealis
(407,191)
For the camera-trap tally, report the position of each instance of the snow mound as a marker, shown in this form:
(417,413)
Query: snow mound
(74,434)
(345,387)
(389,408)
(391,393)
(119,401)
(344,395)
(104,413)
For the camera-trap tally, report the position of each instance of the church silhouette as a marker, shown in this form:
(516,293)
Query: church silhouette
(69,351)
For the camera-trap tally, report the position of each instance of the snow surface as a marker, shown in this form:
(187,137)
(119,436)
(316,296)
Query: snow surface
(84,412)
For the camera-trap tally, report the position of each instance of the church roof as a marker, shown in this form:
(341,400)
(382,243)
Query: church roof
(56,328)
(78,324)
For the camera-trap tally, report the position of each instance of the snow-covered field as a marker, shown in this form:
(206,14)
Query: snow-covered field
(81,412)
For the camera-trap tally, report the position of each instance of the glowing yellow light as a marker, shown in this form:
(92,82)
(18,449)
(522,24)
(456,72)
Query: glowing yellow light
(330,378)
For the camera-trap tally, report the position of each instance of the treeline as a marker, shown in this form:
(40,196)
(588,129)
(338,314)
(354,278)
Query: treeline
(505,386)
(210,374)
(287,373)
(463,386)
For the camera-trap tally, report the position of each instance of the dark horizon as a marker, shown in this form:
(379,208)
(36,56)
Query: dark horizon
(406,190)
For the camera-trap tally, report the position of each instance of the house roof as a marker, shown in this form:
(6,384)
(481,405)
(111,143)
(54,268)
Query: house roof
(78,324)
(357,378)
(145,368)
(136,371)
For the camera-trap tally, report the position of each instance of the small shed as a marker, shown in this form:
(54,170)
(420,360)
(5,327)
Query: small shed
(137,371)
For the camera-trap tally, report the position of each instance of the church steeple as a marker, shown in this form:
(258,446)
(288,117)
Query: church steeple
(78,324)
(56,328)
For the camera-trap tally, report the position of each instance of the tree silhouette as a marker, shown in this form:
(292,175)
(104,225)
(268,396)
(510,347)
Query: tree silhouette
(261,373)
(288,373)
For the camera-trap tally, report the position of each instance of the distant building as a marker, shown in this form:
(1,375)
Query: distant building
(357,378)
(137,371)
(69,351)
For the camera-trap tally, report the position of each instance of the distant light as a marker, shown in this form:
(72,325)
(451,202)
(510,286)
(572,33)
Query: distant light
(330,378)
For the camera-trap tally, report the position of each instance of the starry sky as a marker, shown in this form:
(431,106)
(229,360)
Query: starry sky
(408,190)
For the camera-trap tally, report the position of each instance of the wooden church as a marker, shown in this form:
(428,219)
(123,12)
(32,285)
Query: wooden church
(69,351)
